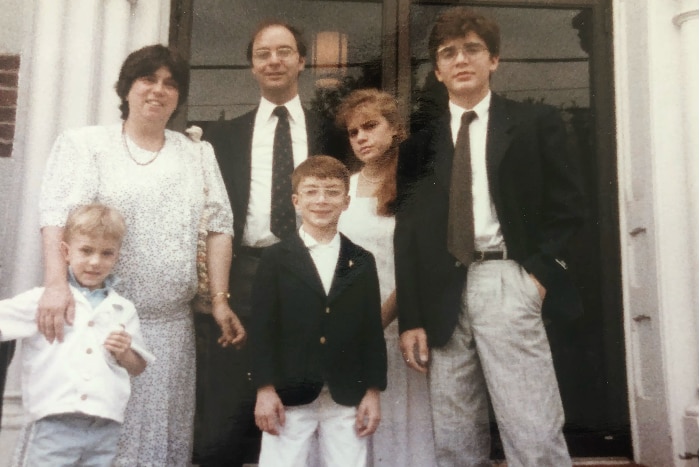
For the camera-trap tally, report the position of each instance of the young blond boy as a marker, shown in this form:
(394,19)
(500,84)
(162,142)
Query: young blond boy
(320,357)
(76,391)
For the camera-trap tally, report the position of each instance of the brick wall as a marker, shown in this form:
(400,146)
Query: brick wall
(9,70)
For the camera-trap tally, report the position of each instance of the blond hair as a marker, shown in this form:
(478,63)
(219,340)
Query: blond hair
(95,220)
(385,104)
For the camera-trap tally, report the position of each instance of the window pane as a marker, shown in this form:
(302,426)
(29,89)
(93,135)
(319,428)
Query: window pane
(346,33)
(542,58)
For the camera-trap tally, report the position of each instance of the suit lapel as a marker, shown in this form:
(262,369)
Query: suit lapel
(444,149)
(498,139)
(350,264)
(298,260)
(244,140)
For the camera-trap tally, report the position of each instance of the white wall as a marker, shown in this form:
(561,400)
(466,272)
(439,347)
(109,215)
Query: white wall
(71,54)
(656,53)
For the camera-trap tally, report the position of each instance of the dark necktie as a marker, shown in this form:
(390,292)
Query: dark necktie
(283,217)
(460,221)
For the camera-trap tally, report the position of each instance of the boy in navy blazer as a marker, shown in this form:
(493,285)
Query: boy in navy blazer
(320,356)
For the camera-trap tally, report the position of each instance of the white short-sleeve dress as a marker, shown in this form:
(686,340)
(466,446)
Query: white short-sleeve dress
(162,203)
(404,437)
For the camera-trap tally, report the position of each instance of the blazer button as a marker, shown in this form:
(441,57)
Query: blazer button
(323,340)
(457,264)
(328,310)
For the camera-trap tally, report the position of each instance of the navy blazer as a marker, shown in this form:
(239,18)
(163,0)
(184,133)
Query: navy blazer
(536,188)
(304,338)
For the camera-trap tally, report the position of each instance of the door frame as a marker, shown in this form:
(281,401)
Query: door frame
(396,79)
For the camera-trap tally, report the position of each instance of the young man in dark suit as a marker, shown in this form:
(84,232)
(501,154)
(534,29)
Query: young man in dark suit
(492,196)
(320,358)
(278,134)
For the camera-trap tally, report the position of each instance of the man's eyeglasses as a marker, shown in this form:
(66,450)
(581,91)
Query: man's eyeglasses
(282,53)
(469,50)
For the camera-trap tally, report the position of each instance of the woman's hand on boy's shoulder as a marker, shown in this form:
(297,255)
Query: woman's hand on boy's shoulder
(56,309)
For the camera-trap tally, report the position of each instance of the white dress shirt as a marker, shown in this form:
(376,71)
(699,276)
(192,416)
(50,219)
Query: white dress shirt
(77,375)
(324,255)
(257,227)
(487,228)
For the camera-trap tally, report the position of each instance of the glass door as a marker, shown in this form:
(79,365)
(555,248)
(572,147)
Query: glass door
(554,51)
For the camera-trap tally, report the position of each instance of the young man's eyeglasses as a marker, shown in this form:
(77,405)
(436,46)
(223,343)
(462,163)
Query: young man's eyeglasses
(469,50)
(282,53)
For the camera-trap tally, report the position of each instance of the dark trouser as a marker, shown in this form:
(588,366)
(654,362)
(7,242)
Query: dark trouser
(225,431)
(7,350)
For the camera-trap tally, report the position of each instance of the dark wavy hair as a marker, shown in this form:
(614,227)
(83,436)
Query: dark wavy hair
(146,61)
(457,22)
(385,104)
(298,36)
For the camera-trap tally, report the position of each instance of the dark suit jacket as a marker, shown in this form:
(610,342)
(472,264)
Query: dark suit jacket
(233,140)
(303,338)
(538,197)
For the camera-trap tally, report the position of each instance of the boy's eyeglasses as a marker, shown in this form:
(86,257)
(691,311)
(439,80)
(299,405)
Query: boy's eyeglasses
(314,193)
(469,50)
(282,53)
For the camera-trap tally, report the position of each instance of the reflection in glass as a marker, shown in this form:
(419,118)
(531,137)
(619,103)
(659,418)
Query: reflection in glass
(344,52)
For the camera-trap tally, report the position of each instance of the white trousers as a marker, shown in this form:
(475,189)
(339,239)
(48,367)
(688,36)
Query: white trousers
(499,349)
(338,442)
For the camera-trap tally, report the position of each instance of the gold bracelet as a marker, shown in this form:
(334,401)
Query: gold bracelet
(217,294)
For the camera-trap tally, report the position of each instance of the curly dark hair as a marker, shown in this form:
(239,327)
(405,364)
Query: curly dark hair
(146,61)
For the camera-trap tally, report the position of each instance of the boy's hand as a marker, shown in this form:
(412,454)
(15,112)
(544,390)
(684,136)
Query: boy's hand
(414,348)
(368,413)
(269,410)
(232,331)
(56,308)
(118,343)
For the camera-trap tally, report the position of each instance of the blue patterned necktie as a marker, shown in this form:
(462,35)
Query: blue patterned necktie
(283,217)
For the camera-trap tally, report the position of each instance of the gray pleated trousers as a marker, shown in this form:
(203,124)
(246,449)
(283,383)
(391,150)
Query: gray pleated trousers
(499,346)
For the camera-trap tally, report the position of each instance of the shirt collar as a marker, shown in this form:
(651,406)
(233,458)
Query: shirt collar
(481,109)
(312,244)
(296,111)
(110,281)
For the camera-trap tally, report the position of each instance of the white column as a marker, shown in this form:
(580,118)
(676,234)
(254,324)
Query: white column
(687,22)
(70,64)
(151,20)
(656,126)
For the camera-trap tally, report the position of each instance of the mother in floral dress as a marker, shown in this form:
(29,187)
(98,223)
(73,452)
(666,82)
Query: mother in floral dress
(163,183)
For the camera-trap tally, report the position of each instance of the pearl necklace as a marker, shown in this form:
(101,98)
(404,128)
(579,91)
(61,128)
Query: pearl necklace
(131,156)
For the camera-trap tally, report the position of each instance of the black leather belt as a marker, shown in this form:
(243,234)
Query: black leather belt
(255,252)
(489,255)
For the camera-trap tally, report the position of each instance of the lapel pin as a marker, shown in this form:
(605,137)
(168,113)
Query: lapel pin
(350,263)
